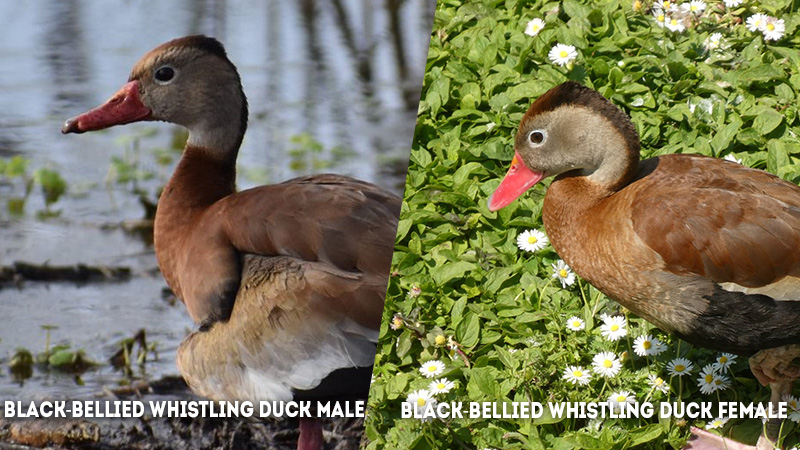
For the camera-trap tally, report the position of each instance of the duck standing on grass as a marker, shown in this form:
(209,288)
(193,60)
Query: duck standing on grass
(286,282)
(706,249)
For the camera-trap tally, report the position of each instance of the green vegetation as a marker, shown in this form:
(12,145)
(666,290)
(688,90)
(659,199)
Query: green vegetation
(463,293)
(14,174)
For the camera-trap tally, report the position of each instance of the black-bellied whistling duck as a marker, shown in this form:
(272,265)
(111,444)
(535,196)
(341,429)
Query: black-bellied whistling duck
(703,248)
(287,281)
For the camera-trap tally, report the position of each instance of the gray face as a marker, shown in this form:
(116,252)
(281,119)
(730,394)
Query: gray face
(572,137)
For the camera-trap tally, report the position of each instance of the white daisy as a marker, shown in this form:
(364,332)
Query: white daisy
(724,361)
(575,324)
(562,272)
(648,345)
(606,364)
(706,380)
(657,383)
(696,7)
(432,368)
(679,367)
(421,400)
(716,423)
(733,158)
(441,386)
(534,27)
(618,398)
(666,5)
(613,327)
(414,291)
(794,416)
(562,54)
(576,375)
(532,240)
(732,3)
(714,41)
(773,29)
(721,382)
(675,24)
(756,22)
(397,322)
(660,17)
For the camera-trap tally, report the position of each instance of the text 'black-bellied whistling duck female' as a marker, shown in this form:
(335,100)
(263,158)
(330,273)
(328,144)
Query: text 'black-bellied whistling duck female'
(703,248)
(287,281)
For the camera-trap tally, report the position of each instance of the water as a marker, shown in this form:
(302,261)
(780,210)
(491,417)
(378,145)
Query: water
(324,73)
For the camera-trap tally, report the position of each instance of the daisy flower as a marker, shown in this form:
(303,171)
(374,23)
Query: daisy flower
(706,380)
(562,54)
(679,367)
(732,3)
(397,322)
(716,423)
(756,22)
(613,327)
(773,29)
(531,240)
(675,24)
(661,18)
(695,7)
(534,27)
(721,382)
(575,324)
(648,345)
(421,400)
(562,272)
(441,386)
(733,158)
(657,383)
(618,398)
(724,361)
(714,41)
(666,5)
(576,375)
(414,291)
(606,364)
(432,368)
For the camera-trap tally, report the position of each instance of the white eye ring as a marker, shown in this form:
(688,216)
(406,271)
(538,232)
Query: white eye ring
(537,137)
(165,74)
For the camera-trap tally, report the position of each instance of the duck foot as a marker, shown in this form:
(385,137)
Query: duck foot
(310,435)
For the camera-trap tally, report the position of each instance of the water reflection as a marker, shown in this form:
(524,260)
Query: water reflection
(322,77)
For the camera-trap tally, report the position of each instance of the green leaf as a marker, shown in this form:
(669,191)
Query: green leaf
(468,329)
(767,120)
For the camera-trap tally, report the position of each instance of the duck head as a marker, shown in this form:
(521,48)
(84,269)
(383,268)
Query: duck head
(571,130)
(187,81)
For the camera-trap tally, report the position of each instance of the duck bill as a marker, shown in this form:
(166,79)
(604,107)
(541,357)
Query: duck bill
(518,180)
(123,107)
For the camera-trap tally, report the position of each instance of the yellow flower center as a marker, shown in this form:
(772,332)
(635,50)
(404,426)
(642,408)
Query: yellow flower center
(532,240)
(658,381)
(562,273)
(679,367)
(431,368)
(673,22)
(614,327)
(667,5)
(770,27)
(535,27)
(709,378)
(660,18)
(398,323)
(576,324)
(421,402)
(693,8)
(440,386)
(647,345)
(723,359)
(440,340)
(577,374)
(607,364)
(563,54)
(637,5)
(621,399)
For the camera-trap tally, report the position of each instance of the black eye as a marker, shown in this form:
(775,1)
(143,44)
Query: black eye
(164,74)
(536,137)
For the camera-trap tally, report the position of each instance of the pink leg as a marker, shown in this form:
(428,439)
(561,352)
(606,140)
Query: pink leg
(310,435)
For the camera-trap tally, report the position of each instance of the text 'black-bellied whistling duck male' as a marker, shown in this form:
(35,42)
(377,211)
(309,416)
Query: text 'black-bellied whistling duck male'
(703,248)
(287,281)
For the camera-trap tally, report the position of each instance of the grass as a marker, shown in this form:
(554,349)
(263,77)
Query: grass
(462,292)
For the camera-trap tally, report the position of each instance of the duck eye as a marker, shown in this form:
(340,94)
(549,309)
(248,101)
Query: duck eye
(537,136)
(164,74)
